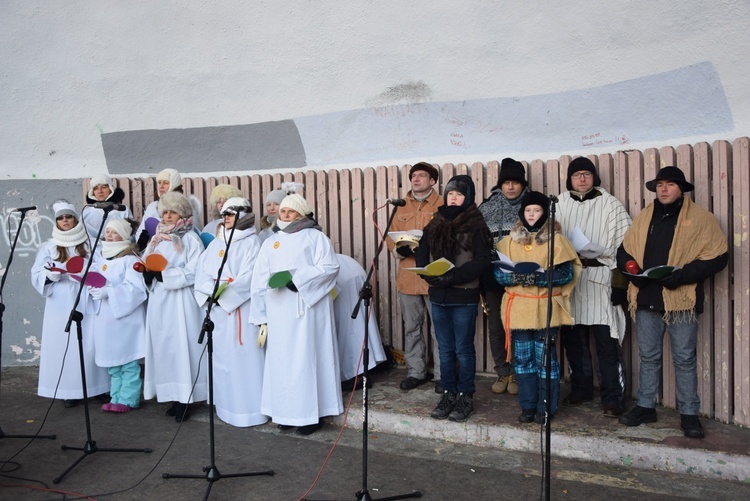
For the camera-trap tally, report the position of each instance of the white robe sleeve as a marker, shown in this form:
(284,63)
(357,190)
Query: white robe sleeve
(126,297)
(317,280)
(241,271)
(38,272)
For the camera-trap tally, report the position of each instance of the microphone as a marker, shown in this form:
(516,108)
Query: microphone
(110,206)
(398,202)
(23,209)
(553,199)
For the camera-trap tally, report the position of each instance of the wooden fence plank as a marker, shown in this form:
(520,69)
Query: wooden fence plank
(741,269)
(723,360)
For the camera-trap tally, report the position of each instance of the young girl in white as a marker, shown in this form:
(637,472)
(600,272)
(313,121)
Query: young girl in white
(173,319)
(59,351)
(235,350)
(120,324)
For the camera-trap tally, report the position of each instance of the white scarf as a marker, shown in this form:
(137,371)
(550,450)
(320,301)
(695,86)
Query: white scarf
(70,238)
(111,249)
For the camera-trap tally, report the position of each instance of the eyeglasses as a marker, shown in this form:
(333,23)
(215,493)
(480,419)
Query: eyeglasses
(64,216)
(582,175)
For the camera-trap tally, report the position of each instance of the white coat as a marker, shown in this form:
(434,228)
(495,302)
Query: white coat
(237,359)
(301,380)
(92,220)
(120,322)
(351,331)
(173,324)
(60,349)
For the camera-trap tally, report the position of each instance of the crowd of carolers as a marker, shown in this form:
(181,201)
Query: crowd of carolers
(282,333)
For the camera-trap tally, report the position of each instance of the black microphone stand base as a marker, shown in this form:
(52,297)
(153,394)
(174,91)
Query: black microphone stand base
(365,496)
(213,475)
(90,448)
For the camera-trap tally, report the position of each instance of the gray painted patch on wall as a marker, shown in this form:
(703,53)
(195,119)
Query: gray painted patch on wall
(268,145)
(24,307)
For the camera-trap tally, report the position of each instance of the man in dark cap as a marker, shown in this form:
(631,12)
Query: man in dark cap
(672,231)
(601,218)
(500,212)
(422,201)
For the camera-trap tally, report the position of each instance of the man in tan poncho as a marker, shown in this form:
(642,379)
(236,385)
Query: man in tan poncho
(671,231)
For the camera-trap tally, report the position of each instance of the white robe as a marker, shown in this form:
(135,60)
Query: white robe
(604,221)
(237,359)
(301,379)
(120,322)
(56,343)
(173,324)
(351,331)
(92,220)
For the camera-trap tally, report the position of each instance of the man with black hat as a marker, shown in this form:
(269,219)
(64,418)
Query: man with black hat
(422,201)
(586,208)
(672,231)
(500,212)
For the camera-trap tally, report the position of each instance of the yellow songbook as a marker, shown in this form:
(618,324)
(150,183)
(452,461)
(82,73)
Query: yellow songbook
(434,269)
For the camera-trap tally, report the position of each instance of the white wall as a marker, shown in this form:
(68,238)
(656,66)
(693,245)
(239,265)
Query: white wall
(77,69)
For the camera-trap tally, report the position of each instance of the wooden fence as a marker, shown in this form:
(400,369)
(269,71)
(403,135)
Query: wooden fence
(345,202)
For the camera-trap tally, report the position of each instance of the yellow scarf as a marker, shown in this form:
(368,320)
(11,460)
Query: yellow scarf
(696,236)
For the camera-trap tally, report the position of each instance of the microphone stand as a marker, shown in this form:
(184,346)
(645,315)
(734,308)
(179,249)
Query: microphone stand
(548,346)
(76,316)
(2,312)
(365,295)
(212,472)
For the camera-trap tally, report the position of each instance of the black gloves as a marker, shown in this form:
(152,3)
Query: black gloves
(443,281)
(149,276)
(292,287)
(404,251)
(673,280)
(143,239)
(638,281)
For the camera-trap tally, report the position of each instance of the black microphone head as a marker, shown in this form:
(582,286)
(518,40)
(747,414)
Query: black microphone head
(398,202)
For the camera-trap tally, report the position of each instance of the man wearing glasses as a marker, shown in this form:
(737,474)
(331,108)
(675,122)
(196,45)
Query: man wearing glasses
(587,211)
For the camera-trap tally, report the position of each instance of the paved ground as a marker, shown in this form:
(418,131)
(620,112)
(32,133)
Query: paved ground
(492,456)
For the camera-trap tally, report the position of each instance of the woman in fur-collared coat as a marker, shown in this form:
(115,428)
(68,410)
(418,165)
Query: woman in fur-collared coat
(524,308)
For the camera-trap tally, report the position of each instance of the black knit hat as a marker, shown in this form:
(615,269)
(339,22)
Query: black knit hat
(429,169)
(579,164)
(512,170)
(463,184)
(534,198)
(670,174)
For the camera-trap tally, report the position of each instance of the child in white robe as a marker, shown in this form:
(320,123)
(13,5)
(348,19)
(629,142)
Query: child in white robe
(120,324)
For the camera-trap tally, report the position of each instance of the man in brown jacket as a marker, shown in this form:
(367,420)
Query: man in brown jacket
(422,202)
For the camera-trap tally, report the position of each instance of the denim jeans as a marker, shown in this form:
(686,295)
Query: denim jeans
(683,337)
(454,329)
(528,357)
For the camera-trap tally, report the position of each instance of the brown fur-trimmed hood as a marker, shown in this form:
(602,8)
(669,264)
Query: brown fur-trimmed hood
(520,234)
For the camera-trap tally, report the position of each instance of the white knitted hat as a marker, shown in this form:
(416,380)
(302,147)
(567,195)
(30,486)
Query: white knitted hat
(122,227)
(177,202)
(63,207)
(172,176)
(99,180)
(295,202)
